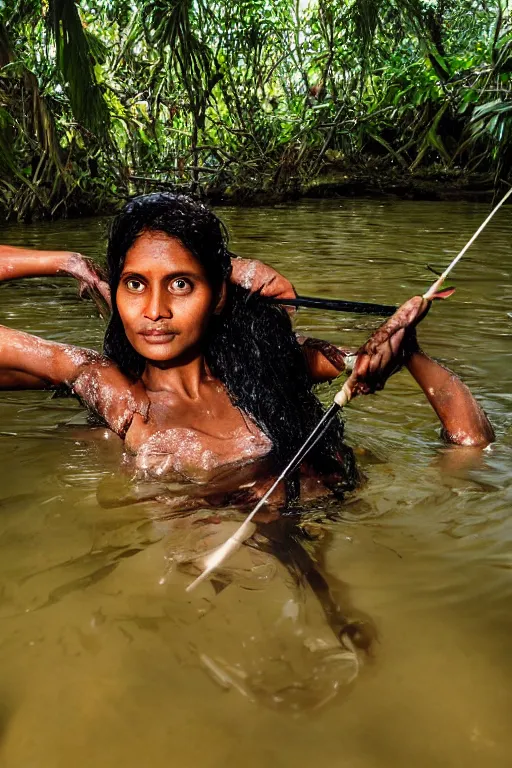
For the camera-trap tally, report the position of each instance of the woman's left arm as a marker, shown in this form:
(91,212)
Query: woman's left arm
(255,276)
(324,360)
(394,345)
(464,422)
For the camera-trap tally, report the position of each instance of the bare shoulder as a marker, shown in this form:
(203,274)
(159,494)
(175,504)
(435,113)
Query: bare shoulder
(110,393)
(28,362)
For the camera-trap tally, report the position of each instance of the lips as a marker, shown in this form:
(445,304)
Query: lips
(158,336)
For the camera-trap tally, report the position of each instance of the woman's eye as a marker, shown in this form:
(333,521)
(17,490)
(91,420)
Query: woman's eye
(135,285)
(180,285)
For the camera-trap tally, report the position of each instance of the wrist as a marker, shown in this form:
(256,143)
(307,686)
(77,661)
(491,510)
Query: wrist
(71,263)
(410,348)
(243,272)
(336,357)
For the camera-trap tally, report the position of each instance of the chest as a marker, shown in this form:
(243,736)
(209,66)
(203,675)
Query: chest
(192,439)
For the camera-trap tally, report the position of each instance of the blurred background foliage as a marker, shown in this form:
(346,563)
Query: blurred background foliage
(103,98)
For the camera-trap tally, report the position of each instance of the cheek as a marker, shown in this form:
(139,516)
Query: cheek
(193,313)
(190,315)
(129,312)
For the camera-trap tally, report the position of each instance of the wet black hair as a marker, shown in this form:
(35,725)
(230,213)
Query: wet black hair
(250,346)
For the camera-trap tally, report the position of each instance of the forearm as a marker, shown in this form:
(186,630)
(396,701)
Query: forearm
(255,276)
(16,263)
(463,420)
(11,380)
(324,360)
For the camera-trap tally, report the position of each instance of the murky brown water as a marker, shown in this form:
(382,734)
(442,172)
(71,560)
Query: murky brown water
(105,659)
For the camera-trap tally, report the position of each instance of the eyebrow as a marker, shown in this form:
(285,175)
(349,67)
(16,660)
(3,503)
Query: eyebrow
(169,276)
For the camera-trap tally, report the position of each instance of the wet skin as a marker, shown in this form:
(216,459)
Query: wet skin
(165,302)
(177,417)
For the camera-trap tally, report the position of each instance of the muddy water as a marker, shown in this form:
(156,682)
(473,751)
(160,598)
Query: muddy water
(106,659)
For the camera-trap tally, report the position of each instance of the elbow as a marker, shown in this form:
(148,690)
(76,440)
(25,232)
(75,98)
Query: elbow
(480,437)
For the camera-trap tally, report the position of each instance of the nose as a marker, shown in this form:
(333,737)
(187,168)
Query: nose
(158,305)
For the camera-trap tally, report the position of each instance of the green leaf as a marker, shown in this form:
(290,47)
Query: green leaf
(74,61)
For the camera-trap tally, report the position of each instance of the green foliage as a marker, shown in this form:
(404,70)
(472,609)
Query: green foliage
(75,59)
(102,98)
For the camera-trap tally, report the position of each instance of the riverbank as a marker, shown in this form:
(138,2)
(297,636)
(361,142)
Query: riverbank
(368,180)
(371,178)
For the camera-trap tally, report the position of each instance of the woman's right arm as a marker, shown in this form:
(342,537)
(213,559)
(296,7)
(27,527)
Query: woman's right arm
(28,362)
(17,263)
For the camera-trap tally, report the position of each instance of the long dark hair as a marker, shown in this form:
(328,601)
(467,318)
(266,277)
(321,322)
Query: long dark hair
(250,347)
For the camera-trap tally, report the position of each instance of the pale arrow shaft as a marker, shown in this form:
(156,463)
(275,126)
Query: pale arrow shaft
(440,280)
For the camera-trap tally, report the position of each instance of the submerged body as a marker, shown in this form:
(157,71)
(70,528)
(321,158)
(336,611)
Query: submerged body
(204,453)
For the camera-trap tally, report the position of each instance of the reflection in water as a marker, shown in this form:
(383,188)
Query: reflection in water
(384,624)
(303,654)
(295,657)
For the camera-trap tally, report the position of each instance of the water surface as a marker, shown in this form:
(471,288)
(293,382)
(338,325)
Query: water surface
(106,660)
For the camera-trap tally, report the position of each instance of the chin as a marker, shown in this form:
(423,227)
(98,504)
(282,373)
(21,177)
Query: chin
(158,352)
(166,353)
(160,355)
(173,351)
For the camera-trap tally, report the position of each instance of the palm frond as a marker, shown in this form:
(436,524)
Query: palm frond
(168,26)
(74,60)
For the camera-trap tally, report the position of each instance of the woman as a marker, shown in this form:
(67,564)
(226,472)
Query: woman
(199,372)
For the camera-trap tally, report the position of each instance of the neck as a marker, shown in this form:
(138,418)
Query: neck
(183,377)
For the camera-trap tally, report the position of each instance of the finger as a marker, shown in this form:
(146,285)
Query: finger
(362,376)
(388,359)
(280,289)
(286,291)
(396,341)
(375,364)
(361,367)
(97,272)
(352,384)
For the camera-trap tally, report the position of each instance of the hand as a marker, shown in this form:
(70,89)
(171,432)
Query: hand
(256,276)
(104,389)
(388,348)
(91,280)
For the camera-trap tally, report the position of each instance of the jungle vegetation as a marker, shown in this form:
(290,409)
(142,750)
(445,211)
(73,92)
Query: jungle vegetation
(103,98)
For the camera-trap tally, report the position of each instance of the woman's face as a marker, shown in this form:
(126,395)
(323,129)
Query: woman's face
(164,298)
